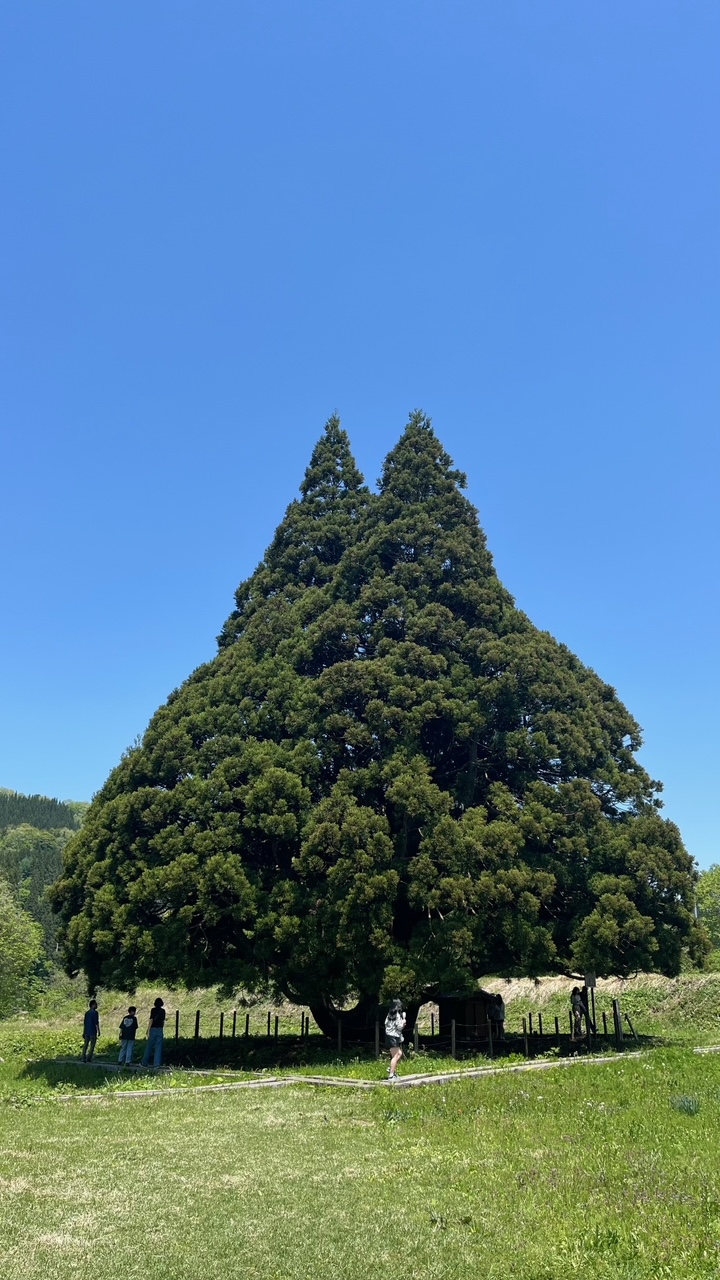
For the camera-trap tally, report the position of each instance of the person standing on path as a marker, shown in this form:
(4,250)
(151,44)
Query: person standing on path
(91,1031)
(154,1044)
(128,1031)
(394,1027)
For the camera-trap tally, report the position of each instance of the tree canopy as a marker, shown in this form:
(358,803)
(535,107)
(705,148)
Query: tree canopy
(387,780)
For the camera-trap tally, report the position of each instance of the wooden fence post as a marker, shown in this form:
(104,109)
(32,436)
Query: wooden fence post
(277,1023)
(197,1025)
(177,1024)
(617,1019)
(222,1024)
(377,1038)
(604,1018)
(525,1038)
(416,1038)
(539,1024)
(627,1019)
(452,1039)
(234,1030)
(247,1025)
(268,1022)
(530,1023)
(557,1029)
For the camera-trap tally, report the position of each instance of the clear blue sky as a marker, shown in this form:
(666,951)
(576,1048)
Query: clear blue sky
(223,220)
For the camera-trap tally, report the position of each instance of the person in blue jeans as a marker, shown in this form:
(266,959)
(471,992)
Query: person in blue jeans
(91,1031)
(154,1044)
(128,1031)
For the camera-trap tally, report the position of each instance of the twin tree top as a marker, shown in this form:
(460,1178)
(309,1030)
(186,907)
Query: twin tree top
(387,782)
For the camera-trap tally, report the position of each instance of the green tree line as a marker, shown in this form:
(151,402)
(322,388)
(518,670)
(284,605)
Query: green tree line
(30,861)
(38,811)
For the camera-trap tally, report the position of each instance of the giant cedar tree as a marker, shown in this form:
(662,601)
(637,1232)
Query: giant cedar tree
(387,780)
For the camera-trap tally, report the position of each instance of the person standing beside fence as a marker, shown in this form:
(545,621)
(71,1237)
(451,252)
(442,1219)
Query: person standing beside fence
(496,1014)
(394,1027)
(91,1031)
(578,1012)
(154,1046)
(128,1030)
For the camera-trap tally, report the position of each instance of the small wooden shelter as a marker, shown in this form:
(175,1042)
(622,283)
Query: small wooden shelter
(470,1013)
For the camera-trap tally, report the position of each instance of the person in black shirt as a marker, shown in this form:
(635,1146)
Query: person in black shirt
(154,1044)
(128,1029)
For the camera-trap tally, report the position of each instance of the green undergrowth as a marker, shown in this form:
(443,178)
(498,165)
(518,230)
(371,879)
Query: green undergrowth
(682,1010)
(609,1171)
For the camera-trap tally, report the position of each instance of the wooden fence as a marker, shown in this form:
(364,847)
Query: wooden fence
(533,1033)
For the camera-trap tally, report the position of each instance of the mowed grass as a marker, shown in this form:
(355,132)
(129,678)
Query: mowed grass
(603,1171)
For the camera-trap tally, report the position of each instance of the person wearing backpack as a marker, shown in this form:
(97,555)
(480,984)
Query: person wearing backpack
(128,1031)
(154,1044)
(394,1027)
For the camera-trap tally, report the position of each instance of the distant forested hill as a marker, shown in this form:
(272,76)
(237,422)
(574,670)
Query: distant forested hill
(39,812)
(33,833)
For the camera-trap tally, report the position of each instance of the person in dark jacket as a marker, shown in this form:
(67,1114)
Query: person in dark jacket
(128,1031)
(496,1014)
(154,1046)
(91,1031)
(579,1012)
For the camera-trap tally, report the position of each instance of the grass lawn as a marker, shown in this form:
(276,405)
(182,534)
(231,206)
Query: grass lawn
(600,1171)
(603,1171)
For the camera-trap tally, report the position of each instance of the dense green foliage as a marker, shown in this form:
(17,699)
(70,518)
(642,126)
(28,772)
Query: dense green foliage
(21,945)
(38,811)
(708,901)
(31,860)
(387,779)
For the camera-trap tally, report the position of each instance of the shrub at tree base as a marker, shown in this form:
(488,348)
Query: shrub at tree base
(387,780)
